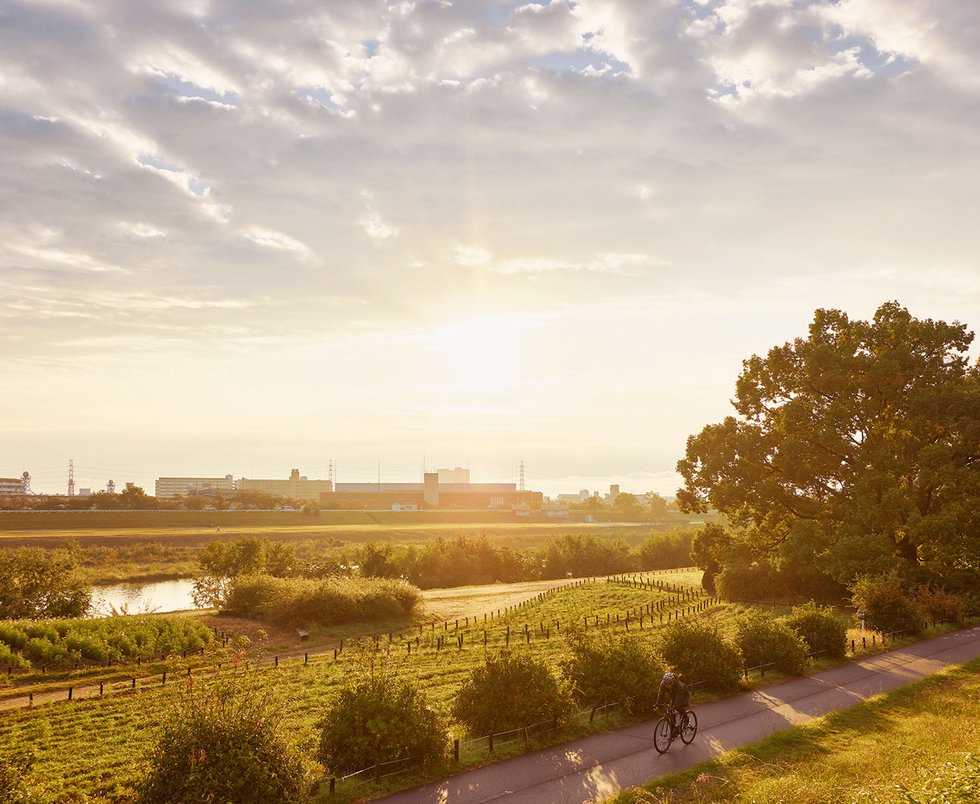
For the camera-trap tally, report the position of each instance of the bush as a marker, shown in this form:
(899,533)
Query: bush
(764,639)
(608,668)
(221,742)
(887,605)
(822,628)
(938,605)
(698,652)
(378,717)
(748,583)
(330,601)
(511,690)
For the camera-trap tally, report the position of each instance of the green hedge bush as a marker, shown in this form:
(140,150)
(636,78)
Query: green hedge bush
(822,628)
(379,717)
(699,653)
(222,743)
(938,605)
(510,690)
(610,668)
(763,639)
(887,604)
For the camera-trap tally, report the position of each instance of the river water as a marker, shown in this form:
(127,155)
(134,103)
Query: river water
(143,598)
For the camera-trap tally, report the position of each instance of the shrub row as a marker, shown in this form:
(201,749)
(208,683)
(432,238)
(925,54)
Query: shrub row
(64,642)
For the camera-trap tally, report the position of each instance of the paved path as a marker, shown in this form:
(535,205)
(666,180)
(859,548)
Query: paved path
(601,765)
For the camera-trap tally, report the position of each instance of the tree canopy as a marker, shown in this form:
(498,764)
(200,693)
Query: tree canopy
(853,448)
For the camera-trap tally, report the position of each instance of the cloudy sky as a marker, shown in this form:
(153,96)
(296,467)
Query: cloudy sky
(242,237)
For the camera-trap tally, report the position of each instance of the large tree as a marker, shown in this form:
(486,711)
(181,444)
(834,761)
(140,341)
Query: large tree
(853,449)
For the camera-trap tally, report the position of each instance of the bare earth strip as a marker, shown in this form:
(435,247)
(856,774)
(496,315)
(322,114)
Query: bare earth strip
(597,767)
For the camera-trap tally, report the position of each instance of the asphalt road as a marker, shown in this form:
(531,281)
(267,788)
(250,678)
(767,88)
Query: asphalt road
(599,766)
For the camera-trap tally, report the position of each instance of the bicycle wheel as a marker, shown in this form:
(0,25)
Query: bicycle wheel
(662,735)
(689,727)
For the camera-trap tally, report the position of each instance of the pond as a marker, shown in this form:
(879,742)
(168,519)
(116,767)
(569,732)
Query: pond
(143,598)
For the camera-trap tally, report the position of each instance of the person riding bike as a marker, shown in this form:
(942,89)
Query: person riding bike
(674,695)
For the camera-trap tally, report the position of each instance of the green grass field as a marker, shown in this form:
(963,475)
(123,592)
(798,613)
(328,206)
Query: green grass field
(94,750)
(911,745)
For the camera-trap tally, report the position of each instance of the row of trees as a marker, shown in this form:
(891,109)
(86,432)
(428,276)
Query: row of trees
(442,562)
(135,498)
(854,452)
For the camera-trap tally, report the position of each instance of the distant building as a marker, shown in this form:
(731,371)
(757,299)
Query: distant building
(431,493)
(574,499)
(11,486)
(457,475)
(186,486)
(297,487)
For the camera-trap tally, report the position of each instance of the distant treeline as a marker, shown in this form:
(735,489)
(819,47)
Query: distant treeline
(446,562)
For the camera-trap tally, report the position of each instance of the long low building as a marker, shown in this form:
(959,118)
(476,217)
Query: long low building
(430,494)
(186,486)
(296,487)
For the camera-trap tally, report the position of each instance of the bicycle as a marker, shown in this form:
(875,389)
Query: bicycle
(667,729)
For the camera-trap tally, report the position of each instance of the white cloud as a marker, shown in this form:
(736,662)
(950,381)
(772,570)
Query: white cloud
(471,256)
(269,238)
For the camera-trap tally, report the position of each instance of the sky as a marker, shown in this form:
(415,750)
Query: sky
(238,238)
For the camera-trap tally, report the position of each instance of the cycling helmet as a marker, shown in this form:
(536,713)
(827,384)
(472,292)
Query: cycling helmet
(669,678)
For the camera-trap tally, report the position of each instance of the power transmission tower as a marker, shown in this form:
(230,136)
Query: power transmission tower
(71,477)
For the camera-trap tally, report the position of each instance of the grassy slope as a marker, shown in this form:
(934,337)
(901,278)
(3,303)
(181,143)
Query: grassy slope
(902,739)
(94,750)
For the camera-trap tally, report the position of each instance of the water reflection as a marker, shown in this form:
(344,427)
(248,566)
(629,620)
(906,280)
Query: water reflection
(143,598)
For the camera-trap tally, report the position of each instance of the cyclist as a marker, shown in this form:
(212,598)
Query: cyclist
(674,695)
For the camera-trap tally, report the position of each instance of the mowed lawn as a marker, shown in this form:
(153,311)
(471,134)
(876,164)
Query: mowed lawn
(920,743)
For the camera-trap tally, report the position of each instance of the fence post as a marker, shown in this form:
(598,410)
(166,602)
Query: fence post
(491,743)
(69,693)
(333,785)
(134,682)
(456,750)
(100,688)
(30,699)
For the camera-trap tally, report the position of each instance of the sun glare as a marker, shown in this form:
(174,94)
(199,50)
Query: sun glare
(480,353)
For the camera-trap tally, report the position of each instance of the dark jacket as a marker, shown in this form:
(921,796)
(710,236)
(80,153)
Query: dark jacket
(678,697)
